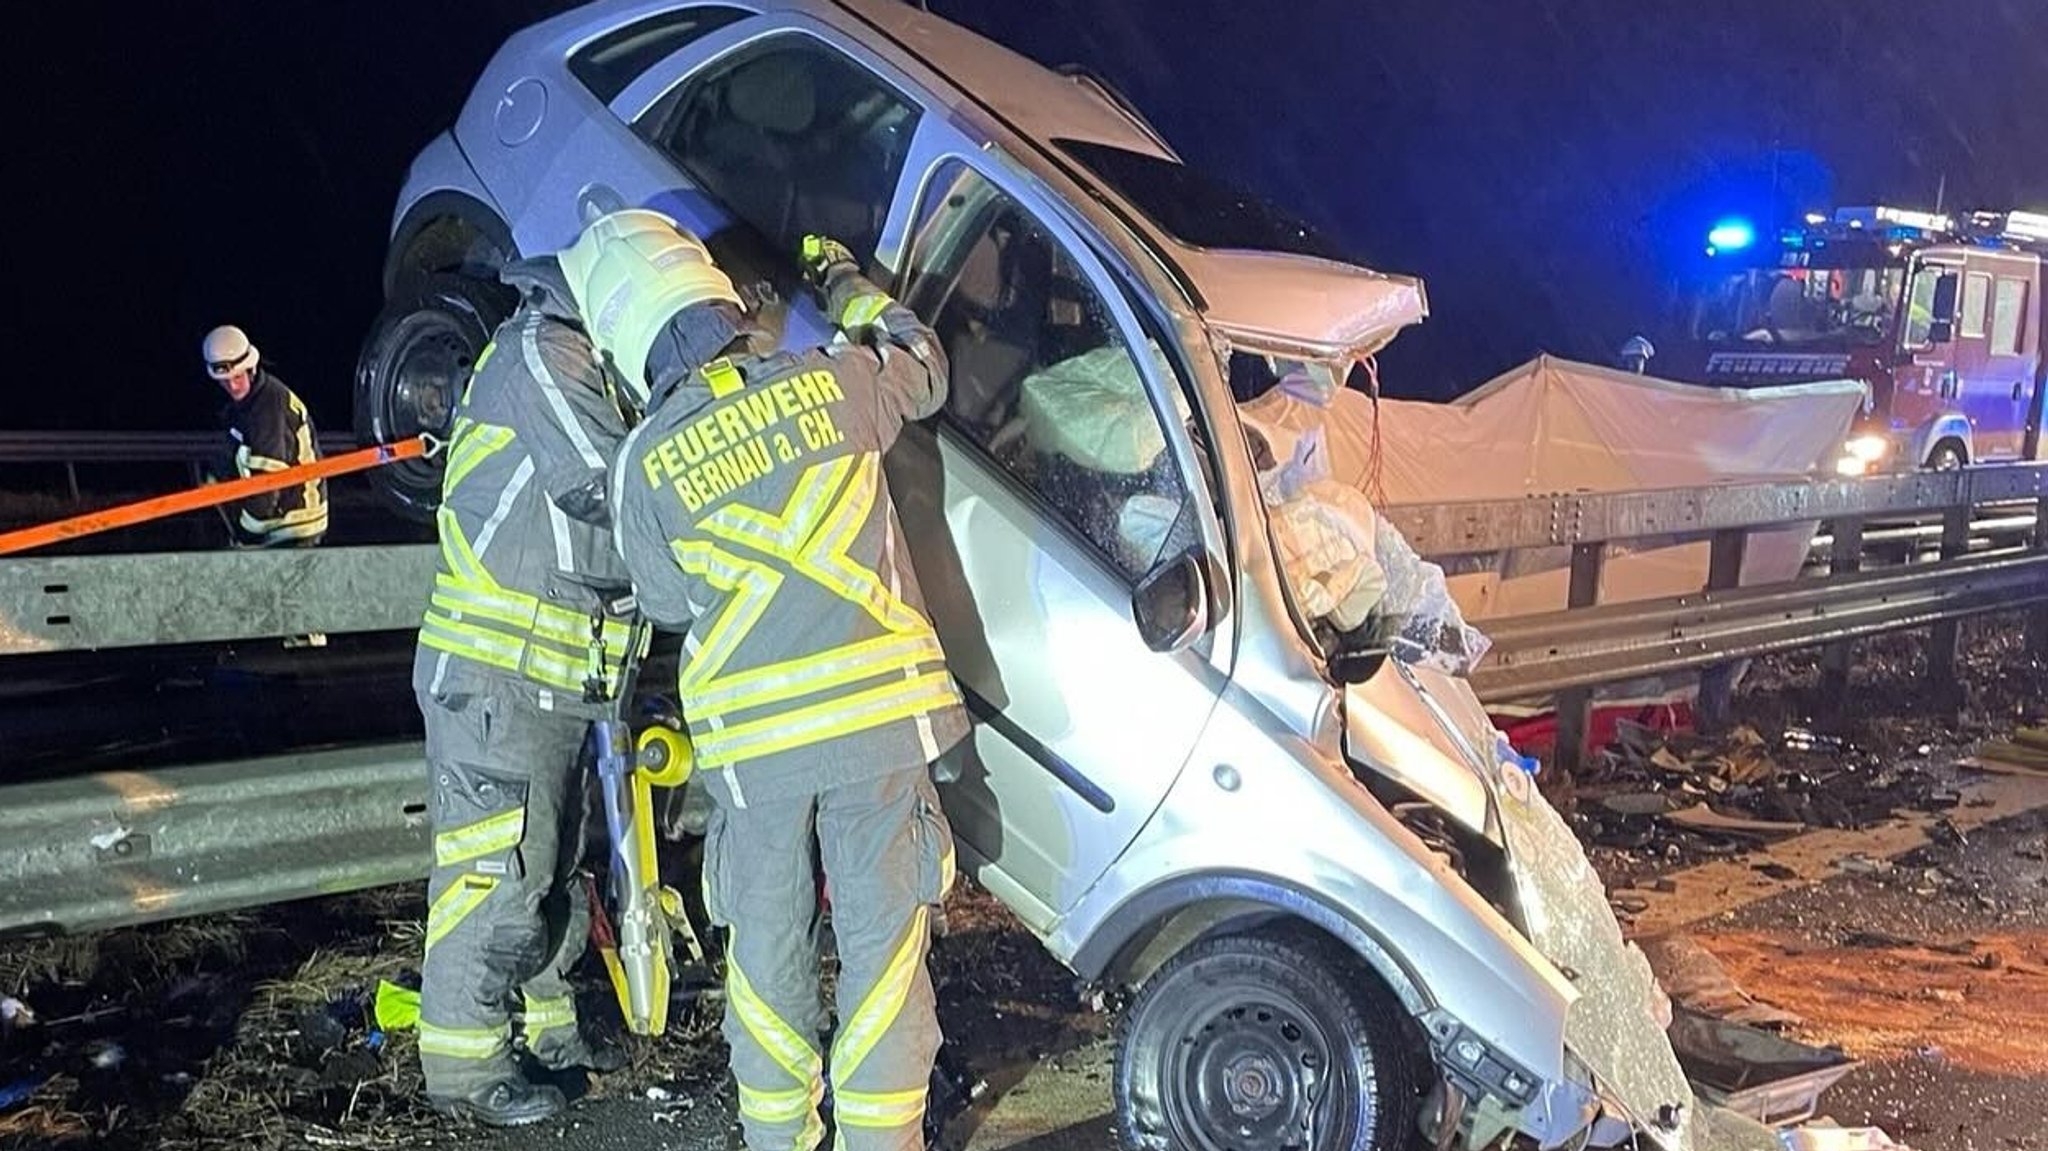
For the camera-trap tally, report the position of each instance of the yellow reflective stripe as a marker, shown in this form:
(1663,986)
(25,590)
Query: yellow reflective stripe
(453,905)
(782,535)
(780,1106)
(878,1108)
(826,560)
(801,727)
(471,642)
(499,832)
(546,1014)
(473,444)
(884,1002)
(792,1052)
(456,553)
(528,613)
(463,1043)
(949,869)
(749,586)
(864,310)
(883,655)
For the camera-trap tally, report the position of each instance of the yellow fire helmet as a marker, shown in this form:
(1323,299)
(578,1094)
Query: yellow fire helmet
(630,271)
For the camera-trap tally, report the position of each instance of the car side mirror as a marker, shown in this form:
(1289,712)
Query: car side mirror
(1941,327)
(1945,290)
(1171,604)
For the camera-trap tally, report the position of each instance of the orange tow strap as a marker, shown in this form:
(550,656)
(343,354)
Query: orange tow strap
(209,495)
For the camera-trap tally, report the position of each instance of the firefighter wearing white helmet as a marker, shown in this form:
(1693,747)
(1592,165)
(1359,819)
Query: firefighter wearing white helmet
(754,514)
(523,644)
(268,430)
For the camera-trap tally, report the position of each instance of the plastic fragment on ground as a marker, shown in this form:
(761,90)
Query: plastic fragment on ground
(398,1008)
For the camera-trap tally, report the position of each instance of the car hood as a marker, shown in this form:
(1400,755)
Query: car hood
(1616,1025)
(1299,305)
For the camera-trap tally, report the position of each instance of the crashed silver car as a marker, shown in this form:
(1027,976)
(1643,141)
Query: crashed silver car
(1346,912)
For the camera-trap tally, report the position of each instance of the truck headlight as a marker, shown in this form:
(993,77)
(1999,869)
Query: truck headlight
(1869,449)
(1851,467)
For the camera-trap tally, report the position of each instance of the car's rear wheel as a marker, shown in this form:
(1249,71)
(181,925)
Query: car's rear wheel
(412,370)
(1254,1044)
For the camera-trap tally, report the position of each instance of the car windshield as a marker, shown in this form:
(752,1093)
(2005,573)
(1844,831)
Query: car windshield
(1800,306)
(1196,209)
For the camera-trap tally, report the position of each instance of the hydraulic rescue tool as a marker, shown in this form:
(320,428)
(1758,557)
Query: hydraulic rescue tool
(636,942)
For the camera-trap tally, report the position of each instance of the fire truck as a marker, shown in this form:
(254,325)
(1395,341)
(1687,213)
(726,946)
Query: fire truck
(1941,316)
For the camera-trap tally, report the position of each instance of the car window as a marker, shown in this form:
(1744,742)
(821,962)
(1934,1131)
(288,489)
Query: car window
(1043,379)
(1919,331)
(608,64)
(2006,311)
(793,137)
(1976,303)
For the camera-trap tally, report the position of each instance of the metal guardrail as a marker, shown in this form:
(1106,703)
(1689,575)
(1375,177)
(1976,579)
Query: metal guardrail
(1449,529)
(1571,651)
(86,603)
(68,447)
(227,835)
(132,847)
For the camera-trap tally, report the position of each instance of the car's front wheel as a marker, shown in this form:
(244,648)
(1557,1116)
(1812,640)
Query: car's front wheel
(412,370)
(1256,1044)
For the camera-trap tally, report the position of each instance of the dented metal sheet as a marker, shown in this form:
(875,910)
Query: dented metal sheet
(1617,1027)
(71,603)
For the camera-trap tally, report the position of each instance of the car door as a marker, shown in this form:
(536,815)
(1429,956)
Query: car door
(1046,489)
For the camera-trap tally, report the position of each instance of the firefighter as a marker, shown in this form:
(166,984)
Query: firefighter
(268,430)
(753,513)
(521,647)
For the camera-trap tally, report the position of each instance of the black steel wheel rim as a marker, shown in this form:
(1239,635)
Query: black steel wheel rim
(1257,1073)
(428,370)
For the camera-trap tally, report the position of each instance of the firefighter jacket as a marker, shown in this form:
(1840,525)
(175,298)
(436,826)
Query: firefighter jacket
(269,430)
(758,518)
(530,588)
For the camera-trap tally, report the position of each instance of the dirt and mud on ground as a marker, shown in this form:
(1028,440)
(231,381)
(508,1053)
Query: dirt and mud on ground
(1911,931)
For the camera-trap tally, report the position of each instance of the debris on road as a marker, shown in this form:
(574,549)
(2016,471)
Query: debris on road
(1699,983)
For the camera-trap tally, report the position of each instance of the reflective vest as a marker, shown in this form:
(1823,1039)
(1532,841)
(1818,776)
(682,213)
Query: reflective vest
(523,589)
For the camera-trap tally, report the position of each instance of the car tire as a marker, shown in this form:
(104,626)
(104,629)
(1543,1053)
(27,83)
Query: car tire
(1947,456)
(1258,1044)
(413,367)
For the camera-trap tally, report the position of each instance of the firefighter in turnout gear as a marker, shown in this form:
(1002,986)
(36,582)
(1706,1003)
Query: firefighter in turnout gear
(523,643)
(753,514)
(268,430)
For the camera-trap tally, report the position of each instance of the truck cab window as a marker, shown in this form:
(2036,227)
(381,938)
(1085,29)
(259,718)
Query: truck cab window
(1043,380)
(793,137)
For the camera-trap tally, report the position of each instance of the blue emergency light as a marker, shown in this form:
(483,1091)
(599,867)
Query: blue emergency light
(1730,236)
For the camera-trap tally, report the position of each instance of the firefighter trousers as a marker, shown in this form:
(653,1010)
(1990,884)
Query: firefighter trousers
(507,911)
(887,855)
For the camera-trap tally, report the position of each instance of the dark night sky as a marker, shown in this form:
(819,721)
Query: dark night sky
(1547,166)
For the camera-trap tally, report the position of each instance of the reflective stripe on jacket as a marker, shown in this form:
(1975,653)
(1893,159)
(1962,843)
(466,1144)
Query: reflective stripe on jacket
(271,430)
(521,581)
(761,521)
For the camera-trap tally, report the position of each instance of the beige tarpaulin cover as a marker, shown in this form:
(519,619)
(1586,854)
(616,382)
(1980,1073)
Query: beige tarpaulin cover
(1554,426)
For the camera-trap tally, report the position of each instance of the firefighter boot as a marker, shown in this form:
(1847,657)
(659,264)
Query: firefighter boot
(504,1103)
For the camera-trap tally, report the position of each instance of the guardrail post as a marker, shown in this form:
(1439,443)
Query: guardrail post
(2037,620)
(1716,698)
(1947,635)
(1575,704)
(1844,558)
